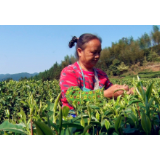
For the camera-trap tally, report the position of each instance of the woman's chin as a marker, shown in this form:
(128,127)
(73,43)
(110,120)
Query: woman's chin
(95,62)
(91,64)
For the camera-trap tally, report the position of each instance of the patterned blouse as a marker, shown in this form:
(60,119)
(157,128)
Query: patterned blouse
(71,76)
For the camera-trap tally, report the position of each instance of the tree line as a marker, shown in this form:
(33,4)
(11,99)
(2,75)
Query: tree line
(116,59)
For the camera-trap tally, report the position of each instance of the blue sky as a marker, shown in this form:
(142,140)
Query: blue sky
(35,48)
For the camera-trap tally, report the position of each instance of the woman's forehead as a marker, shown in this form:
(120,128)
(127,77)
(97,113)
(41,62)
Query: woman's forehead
(94,44)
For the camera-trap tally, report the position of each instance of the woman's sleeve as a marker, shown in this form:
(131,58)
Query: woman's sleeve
(67,79)
(108,83)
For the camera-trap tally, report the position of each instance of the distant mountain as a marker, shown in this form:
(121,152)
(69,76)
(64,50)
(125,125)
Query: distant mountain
(1,75)
(16,76)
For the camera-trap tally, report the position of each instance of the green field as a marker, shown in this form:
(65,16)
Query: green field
(33,107)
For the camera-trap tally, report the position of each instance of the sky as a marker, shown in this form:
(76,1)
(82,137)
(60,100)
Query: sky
(35,48)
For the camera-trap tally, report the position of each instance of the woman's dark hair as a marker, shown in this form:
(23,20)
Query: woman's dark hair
(82,40)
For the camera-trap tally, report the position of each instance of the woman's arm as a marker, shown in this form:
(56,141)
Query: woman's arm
(111,88)
(67,79)
(75,95)
(109,93)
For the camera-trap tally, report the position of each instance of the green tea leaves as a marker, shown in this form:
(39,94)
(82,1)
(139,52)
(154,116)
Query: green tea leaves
(43,129)
(65,111)
(15,128)
(146,123)
(118,123)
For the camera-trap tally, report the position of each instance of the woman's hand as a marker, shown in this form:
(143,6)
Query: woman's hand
(109,93)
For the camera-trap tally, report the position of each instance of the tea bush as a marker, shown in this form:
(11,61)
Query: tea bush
(33,107)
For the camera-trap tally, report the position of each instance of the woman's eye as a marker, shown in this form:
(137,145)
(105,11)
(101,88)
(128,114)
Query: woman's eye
(96,53)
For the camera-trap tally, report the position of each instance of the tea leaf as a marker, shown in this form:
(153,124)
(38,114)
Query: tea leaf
(146,124)
(42,128)
(16,128)
(118,123)
(86,129)
(65,111)
(149,91)
(107,124)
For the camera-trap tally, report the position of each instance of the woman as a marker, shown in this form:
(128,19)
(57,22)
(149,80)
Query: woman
(82,76)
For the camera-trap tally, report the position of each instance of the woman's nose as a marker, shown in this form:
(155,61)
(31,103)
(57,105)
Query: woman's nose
(97,55)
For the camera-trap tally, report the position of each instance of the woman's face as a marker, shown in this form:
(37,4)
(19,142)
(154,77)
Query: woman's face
(91,54)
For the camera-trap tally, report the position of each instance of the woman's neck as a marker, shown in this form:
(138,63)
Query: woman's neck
(84,67)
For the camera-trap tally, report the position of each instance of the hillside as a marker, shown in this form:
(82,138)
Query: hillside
(16,76)
(153,67)
(149,70)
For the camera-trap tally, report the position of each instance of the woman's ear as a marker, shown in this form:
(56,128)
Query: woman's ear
(79,50)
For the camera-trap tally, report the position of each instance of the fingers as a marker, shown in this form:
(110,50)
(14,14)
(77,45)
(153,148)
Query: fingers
(132,90)
(125,87)
(118,93)
(144,88)
(129,92)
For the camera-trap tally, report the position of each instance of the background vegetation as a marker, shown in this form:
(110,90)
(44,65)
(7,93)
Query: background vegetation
(124,56)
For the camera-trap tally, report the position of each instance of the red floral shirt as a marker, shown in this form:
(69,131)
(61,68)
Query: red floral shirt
(71,76)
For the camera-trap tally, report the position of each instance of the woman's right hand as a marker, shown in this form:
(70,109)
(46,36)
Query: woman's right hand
(109,93)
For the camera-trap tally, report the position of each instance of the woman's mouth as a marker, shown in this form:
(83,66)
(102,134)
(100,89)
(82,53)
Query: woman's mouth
(94,61)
